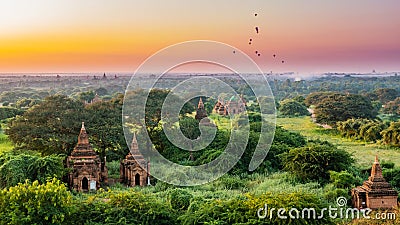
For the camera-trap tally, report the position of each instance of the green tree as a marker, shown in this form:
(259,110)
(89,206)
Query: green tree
(104,127)
(9,112)
(351,127)
(101,91)
(341,107)
(189,127)
(316,97)
(26,102)
(372,131)
(393,107)
(87,96)
(315,160)
(291,107)
(391,135)
(154,103)
(51,127)
(385,95)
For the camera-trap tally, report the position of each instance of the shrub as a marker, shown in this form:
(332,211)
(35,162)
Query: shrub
(35,203)
(315,160)
(179,199)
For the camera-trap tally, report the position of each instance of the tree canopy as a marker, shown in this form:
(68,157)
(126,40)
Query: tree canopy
(315,160)
(290,107)
(336,107)
(51,127)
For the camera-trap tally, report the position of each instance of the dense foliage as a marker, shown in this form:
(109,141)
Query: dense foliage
(334,107)
(9,112)
(291,107)
(35,203)
(51,124)
(50,127)
(16,168)
(315,160)
(391,135)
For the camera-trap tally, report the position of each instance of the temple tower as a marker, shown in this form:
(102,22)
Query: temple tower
(86,167)
(200,111)
(375,193)
(133,169)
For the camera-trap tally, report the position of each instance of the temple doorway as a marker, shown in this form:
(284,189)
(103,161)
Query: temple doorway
(85,184)
(137,180)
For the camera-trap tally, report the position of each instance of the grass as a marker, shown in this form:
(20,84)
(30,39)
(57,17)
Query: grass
(363,152)
(5,144)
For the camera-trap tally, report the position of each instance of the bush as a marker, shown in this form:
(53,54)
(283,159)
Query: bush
(16,169)
(179,199)
(392,176)
(243,210)
(342,179)
(315,160)
(35,203)
(113,169)
(127,207)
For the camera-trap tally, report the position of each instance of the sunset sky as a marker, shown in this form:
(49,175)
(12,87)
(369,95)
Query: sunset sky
(116,36)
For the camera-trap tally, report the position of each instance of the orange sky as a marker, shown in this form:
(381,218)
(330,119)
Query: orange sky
(96,36)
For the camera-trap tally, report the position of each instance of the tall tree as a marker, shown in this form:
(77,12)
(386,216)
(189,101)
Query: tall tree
(391,135)
(385,95)
(104,127)
(291,107)
(51,127)
(341,107)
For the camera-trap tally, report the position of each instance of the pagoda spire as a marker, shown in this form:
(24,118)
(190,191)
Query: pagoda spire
(83,137)
(135,148)
(200,105)
(376,170)
(200,111)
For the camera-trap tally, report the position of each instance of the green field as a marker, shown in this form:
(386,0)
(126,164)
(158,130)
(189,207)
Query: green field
(363,152)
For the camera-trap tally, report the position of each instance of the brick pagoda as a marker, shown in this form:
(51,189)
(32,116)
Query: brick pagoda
(87,170)
(375,193)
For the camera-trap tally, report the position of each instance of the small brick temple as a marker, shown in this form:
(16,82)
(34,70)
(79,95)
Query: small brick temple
(87,170)
(375,193)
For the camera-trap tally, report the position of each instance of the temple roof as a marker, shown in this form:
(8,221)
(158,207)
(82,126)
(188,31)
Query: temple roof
(376,171)
(376,185)
(83,137)
(200,105)
(83,148)
(134,153)
(200,111)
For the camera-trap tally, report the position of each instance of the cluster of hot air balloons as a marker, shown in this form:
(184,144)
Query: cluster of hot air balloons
(250,41)
(257,29)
